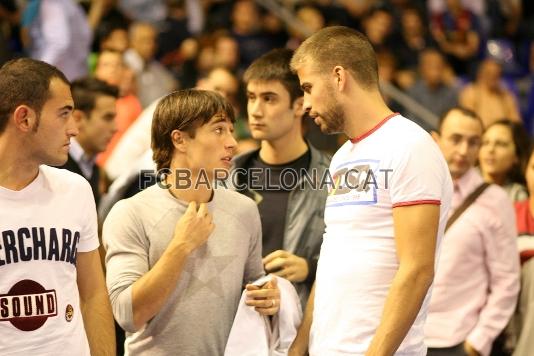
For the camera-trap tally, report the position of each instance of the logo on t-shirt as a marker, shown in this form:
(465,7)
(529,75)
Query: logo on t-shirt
(28,305)
(355,183)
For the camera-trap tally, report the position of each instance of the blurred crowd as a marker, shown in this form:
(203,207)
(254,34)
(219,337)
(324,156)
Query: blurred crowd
(479,54)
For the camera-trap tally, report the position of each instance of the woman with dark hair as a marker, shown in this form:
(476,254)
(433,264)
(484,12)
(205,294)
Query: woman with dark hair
(503,157)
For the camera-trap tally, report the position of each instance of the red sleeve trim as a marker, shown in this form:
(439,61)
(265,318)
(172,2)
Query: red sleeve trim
(417,202)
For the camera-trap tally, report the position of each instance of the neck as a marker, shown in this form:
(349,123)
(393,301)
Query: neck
(499,179)
(283,150)
(16,170)
(531,204)
(365,114)
(195,188)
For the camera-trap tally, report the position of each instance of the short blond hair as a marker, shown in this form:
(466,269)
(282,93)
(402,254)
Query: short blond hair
(339,46)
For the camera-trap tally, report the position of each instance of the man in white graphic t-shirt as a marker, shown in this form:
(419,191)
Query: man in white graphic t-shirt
(53,300)
(385,213)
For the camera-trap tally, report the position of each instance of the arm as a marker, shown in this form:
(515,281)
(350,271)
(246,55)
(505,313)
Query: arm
(94,301)
(138,294)
(151,291)
(301,342)
(502,262)
(416,229)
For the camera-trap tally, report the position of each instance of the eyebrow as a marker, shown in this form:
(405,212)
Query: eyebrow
(263,93)
(220,119)
(66,107)
(304,86)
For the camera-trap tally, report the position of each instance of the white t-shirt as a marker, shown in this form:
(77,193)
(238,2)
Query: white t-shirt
(402,166)
(42,227)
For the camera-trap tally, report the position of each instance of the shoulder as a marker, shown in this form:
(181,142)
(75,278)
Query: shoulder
(402,136)
(64,180)
(496,201)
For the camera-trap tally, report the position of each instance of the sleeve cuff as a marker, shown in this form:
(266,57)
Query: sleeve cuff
(417,202)
(481,343)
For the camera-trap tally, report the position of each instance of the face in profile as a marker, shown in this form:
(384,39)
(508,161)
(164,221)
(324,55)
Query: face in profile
(319,100)
(212,147)
(50,139)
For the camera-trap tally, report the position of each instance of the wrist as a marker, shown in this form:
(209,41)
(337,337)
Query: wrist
(181,248)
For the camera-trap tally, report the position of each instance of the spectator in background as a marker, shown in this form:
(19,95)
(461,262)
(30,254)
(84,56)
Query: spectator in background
(414,37)
(174,29)
(153,79)
(477,277)
(247,30)
(9,30)
(456,32)
(431,89)
(292,218)
(94,113)
(60,33)
(488,97)
(111,69)
(225,51)
(112,36)
(312,18)
(503,157)
(378,26)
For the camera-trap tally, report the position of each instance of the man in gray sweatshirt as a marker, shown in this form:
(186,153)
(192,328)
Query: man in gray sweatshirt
(178,258)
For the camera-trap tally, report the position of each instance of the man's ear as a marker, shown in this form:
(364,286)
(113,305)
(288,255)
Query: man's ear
(298,107)
(179,140)
(25,118)
(340,76)
(435,135)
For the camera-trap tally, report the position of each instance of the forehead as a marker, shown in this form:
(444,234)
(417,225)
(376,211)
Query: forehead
(219,117)
(263,86)
(499,132)
(307,71)
(460,124)
(60,94)
(109,57)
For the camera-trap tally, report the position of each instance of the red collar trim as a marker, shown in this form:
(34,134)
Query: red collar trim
(361,137)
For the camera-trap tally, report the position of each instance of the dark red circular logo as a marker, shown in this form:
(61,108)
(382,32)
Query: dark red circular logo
(69,313)
(28,305)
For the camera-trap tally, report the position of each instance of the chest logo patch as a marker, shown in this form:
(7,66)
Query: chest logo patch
(28,305)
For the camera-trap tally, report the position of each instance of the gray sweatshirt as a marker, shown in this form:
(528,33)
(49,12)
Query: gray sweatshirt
(198,316)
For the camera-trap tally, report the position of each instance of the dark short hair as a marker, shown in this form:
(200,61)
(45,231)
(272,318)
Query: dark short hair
(25,81)
(522,143)
(274,66)
(466,112)
(85,92)
(184,110)
(343,46)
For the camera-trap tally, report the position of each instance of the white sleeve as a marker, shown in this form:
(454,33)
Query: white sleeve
(89,234)
(418,174)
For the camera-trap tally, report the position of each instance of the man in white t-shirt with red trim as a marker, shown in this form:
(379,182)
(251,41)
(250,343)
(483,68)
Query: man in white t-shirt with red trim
(385,213)
(53,300)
